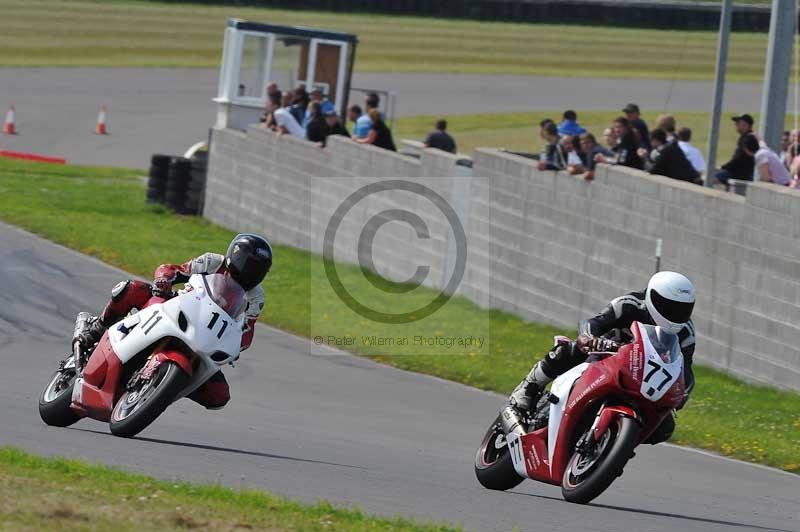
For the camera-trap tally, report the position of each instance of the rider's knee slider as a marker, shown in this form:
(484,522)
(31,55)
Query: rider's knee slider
(119,291)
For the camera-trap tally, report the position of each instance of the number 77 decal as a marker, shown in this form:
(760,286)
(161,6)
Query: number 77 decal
(651,376)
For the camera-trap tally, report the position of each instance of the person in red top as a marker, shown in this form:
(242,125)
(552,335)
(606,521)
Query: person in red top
(247,261)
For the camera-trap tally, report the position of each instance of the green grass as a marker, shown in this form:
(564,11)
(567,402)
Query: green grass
(118,33)
(58,494)
(102,212)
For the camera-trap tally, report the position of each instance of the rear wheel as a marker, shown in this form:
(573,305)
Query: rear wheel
(593,468)
(493,466)
(141,405)
(56,398)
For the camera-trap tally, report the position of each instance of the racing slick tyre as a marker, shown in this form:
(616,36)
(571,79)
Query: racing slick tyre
(588,474)
(493,466)
(136,409)
(56,398)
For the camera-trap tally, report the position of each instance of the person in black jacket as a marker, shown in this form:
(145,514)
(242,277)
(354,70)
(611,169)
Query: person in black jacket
(741,166)
(668,159)
(379,133)
(335,126)
(317,129)
(627,148)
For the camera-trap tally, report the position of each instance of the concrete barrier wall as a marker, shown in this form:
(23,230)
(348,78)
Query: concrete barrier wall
(544,245)
(289,188)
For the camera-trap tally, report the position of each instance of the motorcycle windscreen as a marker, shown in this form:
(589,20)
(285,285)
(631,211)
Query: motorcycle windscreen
(663,360)
(226,293)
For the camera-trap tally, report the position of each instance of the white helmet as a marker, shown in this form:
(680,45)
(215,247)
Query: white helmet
(670,300)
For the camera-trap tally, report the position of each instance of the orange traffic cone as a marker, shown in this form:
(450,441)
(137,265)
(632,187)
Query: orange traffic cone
(9,128)
(100,128)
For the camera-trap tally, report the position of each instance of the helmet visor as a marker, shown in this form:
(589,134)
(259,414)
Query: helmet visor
(249,274)
(674,311)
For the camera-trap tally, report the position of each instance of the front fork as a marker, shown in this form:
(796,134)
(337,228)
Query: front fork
(602,421)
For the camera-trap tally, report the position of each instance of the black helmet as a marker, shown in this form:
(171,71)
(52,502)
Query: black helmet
(248,260)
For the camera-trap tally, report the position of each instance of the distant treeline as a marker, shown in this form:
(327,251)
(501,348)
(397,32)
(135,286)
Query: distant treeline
(632,13)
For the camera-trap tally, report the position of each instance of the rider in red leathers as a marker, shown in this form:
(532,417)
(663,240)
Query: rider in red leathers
(247,261)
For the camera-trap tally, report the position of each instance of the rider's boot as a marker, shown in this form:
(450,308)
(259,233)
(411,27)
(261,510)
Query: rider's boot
(88,330)
(529,391)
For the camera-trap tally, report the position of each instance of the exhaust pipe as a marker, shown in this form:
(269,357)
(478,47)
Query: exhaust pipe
(512,421)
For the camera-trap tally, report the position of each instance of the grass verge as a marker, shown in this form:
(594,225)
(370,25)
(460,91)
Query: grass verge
(58,494)
(145,34)
(102,212)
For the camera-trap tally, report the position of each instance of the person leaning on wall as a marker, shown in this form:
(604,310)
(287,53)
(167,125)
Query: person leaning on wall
(379,133)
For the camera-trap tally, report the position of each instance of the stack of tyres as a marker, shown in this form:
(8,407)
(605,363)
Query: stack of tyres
(157,183)
(177,183)
(197,183)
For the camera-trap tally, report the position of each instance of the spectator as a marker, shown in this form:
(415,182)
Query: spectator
(794,157)
(440,139)
(794,167)
(691,152)
(610,138)
(741,165)
(300,102)
(667,123)
(589,150)
(626,150)
(272,90)
(285,122)
(637,125)
(784,155)
(325,105)
(317,128)
(268,118)
(364,124)
(354,112)
(379,134)
(553,156)
(335,127)
(571,148)
(569,125)
(668,159)
(769,165)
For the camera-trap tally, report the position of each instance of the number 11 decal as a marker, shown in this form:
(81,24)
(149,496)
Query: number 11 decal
(214,322)
(153,315)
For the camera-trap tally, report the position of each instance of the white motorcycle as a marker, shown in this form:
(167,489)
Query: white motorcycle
(150,359)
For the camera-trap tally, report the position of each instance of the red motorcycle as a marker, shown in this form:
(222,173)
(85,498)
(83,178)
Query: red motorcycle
(582,433)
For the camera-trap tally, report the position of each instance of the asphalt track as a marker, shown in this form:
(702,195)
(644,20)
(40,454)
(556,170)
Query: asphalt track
(344,429)
(168,110)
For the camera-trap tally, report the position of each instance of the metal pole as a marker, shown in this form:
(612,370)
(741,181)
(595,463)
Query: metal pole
(777,71)
(719,86)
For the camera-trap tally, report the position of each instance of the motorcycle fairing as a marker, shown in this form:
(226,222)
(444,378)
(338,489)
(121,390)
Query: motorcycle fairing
(660,372)
(96,389)
(207,328)
(529,455)
(561,388)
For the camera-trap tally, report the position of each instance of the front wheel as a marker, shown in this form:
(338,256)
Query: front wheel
(592,469)
(493,466)
(56,398)
(139,407)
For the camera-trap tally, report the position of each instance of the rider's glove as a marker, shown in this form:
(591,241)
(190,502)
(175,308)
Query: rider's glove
(588,344)
(162,287)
